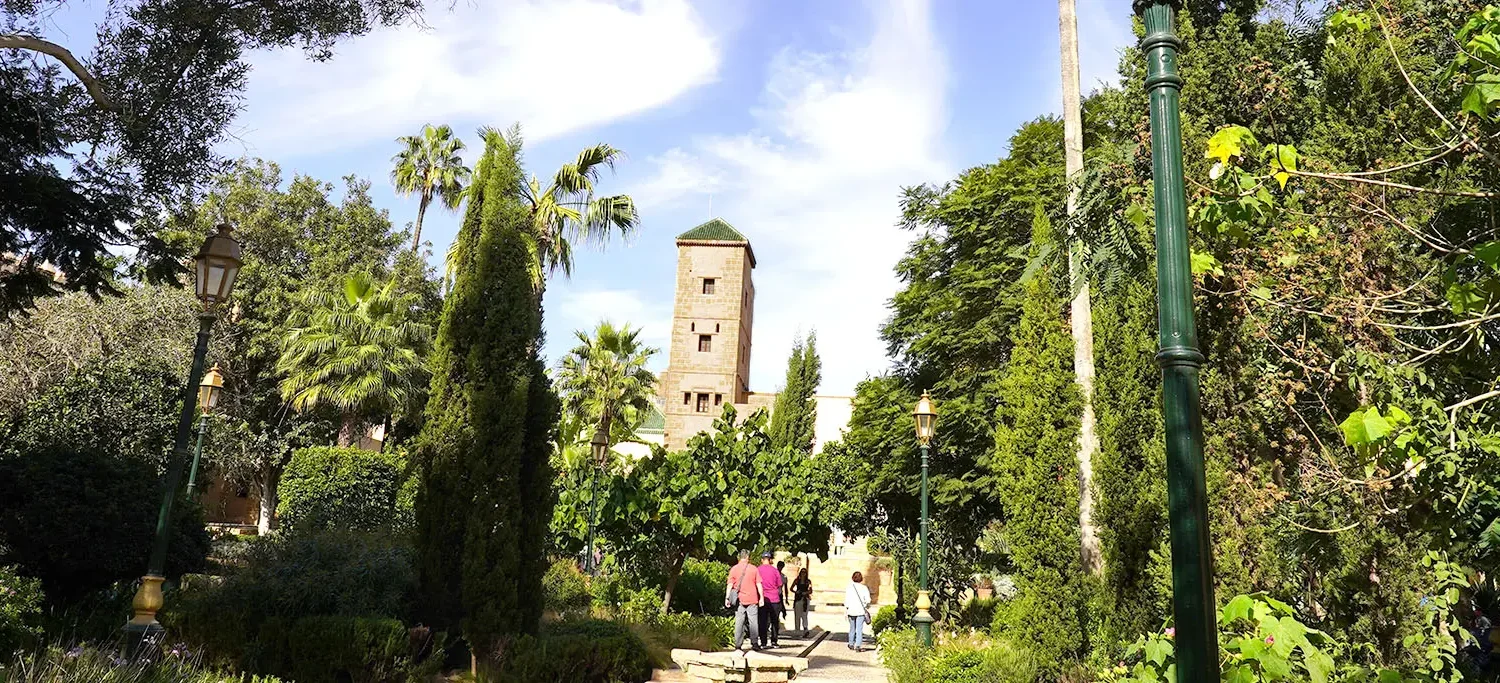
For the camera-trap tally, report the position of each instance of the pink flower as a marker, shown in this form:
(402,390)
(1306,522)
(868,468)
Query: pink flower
(1270,640)
(1171,632)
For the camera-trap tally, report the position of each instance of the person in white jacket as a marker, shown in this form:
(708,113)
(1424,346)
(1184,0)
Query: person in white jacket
(857,608)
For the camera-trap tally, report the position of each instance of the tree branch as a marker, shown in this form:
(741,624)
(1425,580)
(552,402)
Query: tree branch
(23,42)
(1386,183)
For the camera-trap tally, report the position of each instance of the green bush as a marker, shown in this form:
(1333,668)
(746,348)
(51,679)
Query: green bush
(700,588)
(582,651)
(286,579)
(352,489)
(889,616)
(956,666)
(20,611)
(977,613)
(332,649)
(957,658)
(565,589)
(89,664)
(82,520)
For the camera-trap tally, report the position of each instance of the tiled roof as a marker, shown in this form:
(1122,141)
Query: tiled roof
(715,230)
(655,421)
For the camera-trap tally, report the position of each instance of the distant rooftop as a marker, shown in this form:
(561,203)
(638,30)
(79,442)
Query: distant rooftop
(655,423)
(717,230)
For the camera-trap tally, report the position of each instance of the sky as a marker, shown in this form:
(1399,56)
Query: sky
(796,121)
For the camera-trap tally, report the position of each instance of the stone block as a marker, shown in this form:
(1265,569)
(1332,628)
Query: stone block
(770,677)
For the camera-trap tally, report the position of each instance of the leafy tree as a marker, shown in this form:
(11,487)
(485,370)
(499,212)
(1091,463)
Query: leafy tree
(604,379)
(1035,468)
(345,489)
(359,353)
(297,238)
(133,125)
(796,413)
(485,497)
(727,490)
(430,166)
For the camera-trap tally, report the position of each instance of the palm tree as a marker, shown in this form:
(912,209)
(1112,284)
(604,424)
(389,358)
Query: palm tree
(605,382)
(430,166)
(604,379)
(568,209)
(1081,309)
(357,351)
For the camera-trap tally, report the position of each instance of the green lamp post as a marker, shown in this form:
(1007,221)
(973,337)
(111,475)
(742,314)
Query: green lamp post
(600,447)
(1187,495)
(208,399)
(926,417)
(216,266)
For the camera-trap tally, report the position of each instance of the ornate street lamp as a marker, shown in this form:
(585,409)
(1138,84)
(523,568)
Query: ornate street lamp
(1196,639)
(926,417)
(600,448)
(216,266)
(208,399)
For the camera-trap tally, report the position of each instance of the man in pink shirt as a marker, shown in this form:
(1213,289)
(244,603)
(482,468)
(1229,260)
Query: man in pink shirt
(771,582)
(745,587)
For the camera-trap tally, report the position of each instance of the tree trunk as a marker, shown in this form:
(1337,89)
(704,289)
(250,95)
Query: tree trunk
(416,236)
(349,431)
(1082,317)
(269,478)
(672,576)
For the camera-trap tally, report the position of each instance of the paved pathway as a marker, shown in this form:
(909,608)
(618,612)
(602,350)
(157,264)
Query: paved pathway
(830,662)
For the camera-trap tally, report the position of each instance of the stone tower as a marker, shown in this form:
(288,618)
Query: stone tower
(709,361)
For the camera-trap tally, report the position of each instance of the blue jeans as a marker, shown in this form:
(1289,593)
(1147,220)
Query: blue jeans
(857,631)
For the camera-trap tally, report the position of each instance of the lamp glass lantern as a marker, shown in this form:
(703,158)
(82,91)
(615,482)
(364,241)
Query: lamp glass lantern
(926,417)
(218,264)
(600,444)
(209,390)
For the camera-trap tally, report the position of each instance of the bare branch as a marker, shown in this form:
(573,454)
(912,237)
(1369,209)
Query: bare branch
(24,42)
(1399,186)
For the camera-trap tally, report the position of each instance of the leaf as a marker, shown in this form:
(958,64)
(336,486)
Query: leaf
(1237,608)
(1230,142)
(1397,416)
(1375,426)
(1137,215)
(1489,252)
(1282,158)
(1157,651)
(1319,664)
(1465,297)
(1239,674)
(1206,263)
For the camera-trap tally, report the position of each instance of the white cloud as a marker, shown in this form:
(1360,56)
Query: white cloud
(557,65)
(1104,29)
(815,188)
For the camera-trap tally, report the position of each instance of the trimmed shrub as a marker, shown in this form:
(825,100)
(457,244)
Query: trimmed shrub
(82,520)
(565,589)
(287,579)
(890,616)
(329,487)
(582,651)
(700,588)
(20,611)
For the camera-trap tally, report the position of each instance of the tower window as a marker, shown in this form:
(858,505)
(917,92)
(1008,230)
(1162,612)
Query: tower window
(708,285)
(705,343)
(687,398)
(716,327)
(718,399)
(702,403)
(692,327)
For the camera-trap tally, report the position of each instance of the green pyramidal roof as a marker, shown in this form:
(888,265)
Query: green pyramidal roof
(715,230)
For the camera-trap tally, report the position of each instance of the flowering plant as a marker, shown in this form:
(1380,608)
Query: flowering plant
(20,609)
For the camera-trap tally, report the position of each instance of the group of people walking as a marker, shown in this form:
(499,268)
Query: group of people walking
(758,595)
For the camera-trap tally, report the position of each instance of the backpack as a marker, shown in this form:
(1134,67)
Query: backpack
(732,592)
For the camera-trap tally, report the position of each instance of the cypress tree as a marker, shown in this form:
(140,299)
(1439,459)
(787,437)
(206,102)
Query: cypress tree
(482,453)
(1035,467)
(795,416)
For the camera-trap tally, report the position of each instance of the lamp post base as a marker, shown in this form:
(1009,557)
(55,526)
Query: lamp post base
(148,599)
(923,620)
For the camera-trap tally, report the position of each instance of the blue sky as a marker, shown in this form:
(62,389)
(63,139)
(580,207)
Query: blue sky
(798,121)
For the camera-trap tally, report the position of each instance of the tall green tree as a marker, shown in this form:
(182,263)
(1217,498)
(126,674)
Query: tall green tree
(795,417)
(1035,467)
(357,351)
(430,166)
(485,498)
